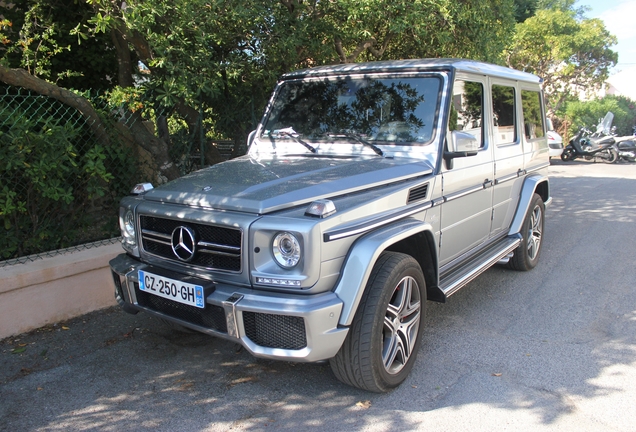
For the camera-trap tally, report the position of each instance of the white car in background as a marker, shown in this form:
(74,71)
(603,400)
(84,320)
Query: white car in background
(555,142)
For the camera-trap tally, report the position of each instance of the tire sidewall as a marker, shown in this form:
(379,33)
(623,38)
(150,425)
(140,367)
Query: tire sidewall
(536,201)
(408,267)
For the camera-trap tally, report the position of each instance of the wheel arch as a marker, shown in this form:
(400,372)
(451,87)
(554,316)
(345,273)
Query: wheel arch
(536,183)
(409,236)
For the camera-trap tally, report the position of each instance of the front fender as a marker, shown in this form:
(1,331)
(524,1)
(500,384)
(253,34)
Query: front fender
(361,258)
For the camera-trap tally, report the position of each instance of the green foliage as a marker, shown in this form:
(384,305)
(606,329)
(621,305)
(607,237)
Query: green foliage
(571,55)
(579,114)
(224,57)
(38,36)
(524,9)
(54,178)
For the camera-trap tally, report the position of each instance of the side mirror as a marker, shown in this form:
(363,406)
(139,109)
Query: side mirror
(460,144)
(250,139)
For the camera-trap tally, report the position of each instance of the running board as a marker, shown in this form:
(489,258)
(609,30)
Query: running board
(453,280)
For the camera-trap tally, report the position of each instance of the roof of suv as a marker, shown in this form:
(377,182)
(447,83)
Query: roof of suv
(462,65)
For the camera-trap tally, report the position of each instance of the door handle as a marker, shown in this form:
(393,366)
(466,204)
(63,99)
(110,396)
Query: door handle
(488,183)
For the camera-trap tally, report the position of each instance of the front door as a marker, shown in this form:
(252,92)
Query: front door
(467,208)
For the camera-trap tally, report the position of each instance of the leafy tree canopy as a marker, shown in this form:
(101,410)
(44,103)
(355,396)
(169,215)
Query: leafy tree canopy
(571,55)
(36,35)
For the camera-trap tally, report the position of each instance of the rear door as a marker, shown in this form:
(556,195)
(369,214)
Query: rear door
(504,118)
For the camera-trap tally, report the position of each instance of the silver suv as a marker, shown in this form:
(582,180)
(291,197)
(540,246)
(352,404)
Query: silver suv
(367,190)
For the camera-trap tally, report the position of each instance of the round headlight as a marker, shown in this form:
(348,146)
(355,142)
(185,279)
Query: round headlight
(129,223)
(286,249)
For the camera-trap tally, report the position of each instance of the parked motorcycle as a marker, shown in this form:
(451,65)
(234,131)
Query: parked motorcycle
(626,147)
(592,146)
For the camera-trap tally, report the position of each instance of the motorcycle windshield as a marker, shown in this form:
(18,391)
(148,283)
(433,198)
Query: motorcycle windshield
(606,124)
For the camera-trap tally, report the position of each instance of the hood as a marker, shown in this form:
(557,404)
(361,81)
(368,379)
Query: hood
(264,185)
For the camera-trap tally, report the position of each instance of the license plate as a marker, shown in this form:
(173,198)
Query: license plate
(172,289)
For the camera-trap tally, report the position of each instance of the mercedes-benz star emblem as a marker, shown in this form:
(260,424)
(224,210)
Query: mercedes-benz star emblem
(183,243)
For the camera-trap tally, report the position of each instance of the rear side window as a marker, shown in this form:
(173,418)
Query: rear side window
(532,115)
(503,107)
(467,109)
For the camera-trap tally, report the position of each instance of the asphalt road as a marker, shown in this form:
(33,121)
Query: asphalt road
(551,349)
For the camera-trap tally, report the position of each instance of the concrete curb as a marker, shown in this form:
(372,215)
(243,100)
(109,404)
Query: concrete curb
(55,288)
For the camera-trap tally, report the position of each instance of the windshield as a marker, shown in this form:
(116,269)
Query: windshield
(605,125)
(381,110)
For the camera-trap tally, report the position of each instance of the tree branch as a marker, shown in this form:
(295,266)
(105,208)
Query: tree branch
(21,78)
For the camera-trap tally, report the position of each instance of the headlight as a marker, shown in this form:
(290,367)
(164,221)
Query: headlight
(129,223)
(127,227)
(286,249)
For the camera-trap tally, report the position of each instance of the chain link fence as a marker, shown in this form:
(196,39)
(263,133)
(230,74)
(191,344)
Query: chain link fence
(62,172)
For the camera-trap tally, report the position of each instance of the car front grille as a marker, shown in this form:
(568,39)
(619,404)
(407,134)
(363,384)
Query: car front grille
(217,248)
(275,331)
(211,317)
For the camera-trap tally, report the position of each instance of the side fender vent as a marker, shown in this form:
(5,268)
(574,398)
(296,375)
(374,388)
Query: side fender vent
(417,193)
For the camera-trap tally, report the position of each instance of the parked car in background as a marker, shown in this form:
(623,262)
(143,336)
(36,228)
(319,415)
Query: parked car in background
(555,142)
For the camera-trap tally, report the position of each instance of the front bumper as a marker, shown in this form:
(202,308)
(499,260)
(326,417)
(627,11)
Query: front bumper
(301,328)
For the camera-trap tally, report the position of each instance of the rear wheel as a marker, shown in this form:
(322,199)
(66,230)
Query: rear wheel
(380,349)
(526,256)
(609,156)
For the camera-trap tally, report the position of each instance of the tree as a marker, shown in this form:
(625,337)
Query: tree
(210,65)
(571,55)
(37,37)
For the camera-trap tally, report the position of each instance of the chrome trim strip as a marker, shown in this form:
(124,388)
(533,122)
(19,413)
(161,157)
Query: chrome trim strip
(219,246)
(537,168)
(157,241)
(463,193)
(438,201)
(212,252)
(507,178)
(375,223)
(156,234)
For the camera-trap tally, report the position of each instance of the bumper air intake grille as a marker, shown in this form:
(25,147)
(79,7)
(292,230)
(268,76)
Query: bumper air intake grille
(275,331)
(212,317)
(218,248)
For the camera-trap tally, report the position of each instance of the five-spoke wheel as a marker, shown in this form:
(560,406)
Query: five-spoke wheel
(382,343)
(526,256)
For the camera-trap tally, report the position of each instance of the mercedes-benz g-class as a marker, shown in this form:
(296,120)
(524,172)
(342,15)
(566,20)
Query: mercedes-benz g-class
(367,189)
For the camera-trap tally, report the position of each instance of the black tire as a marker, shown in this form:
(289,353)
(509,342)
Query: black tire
(526,256)
(611,156)
(382,344)
(567,154)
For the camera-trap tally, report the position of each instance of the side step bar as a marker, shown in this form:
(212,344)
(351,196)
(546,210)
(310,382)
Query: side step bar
(454,279)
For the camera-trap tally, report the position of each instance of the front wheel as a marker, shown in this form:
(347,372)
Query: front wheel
(382,344)
(526,256)
(567,154)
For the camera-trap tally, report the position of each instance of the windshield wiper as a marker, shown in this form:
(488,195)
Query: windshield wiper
(357,138)
(298,140)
